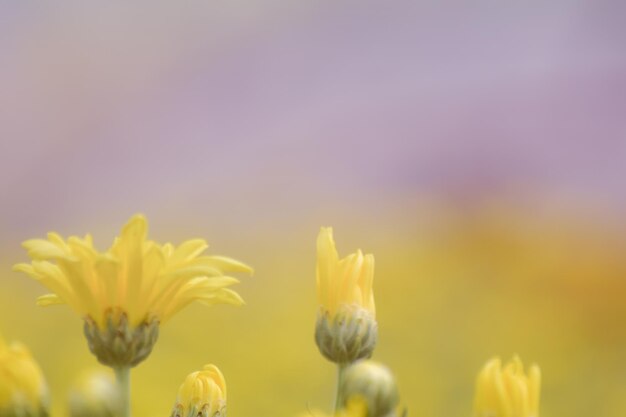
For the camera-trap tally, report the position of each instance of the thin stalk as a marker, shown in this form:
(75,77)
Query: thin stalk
(338,397)
(122,374)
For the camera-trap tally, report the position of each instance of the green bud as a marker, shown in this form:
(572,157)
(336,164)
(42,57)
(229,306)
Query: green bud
(373,383)
(119,344)
(348,335)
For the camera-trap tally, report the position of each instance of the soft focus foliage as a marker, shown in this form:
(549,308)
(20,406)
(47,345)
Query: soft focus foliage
(356,407)
(94,394)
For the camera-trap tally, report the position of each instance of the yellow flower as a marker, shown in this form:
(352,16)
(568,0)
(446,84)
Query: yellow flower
(137,277)
(507,392)
(23,390)
(343,282)
(203,394)
(346,328)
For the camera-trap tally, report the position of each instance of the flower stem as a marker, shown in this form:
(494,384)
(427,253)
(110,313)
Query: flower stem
(122,374)
(338,397)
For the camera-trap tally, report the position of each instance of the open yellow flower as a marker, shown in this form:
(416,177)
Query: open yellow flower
(507,392)
(202,394)
(343,282)
(135,284)
(346,328)
(23,390)
(135,275)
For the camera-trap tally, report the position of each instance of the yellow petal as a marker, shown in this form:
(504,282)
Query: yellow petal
(43,249)
(188,250)
(226,264)
(49,299)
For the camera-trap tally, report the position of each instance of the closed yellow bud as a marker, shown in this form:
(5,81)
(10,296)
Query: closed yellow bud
(203,394)
(508,391)
(23,390)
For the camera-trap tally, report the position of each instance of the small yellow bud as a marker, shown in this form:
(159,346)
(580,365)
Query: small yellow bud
(372,383)
(508,391)
(23,390)
(95,394)
(346,328)
(203,394)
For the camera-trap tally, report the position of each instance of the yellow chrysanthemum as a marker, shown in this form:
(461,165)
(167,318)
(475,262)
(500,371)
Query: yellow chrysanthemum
(203,394)
(347,281)
(135,276)
(508,391)
(346,328)
(23,390)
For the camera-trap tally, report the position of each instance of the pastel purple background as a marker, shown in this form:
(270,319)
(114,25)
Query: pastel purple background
(253,110)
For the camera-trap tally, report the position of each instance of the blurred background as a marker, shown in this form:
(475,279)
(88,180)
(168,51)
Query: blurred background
(477,150)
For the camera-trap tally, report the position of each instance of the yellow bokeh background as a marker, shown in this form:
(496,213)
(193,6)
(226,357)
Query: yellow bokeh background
(452,288)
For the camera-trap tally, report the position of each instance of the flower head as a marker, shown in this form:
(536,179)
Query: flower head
(343,282)
(508,391)
(203,394)
(346,328)
(23,390)
(136,277)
